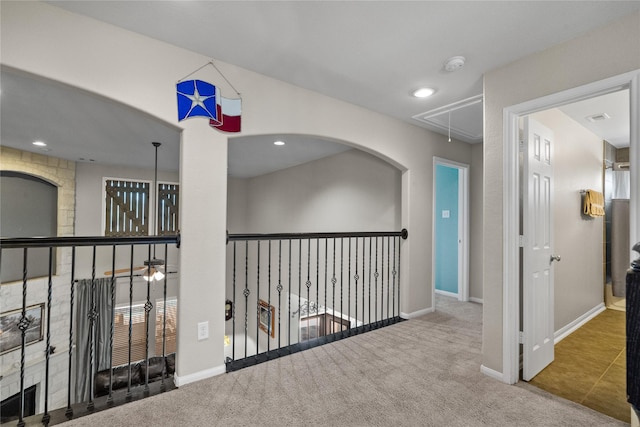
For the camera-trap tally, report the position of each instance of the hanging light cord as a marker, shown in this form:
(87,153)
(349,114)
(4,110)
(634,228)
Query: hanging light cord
(449,126)
(155,196)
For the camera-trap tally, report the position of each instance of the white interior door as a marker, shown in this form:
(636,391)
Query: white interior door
(538,257)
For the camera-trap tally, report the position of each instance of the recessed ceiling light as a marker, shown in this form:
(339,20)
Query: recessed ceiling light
(278,143)
(40,143)
(423,92)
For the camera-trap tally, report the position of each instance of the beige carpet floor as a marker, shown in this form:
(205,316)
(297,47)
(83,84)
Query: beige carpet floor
(422,372)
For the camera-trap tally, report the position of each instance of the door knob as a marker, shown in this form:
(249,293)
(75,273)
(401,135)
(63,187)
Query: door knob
(555,258)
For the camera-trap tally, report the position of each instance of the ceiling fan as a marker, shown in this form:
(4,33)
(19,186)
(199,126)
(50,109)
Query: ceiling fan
(154,268)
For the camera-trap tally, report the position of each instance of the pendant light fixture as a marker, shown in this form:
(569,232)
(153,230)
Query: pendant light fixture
(154,265)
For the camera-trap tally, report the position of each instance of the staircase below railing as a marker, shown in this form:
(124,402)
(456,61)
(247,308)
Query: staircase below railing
(290,292)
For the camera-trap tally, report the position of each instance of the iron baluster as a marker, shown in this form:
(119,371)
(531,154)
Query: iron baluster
(246,294)
(333,282)
(355,277)
(393,274)
(163,387)
(364,248)
(279,288)
(375,275)
(299,285)
(388,273)
(370,247)
(257,307)
(147,309)
(111,330)
(289,309)
(92,333)
(326,253)
(23,325)
(348,287)
(233,306)
(382,283)
(69,411)
(46,417)
(318,276)
(308,283)
(129,396)
(269,299)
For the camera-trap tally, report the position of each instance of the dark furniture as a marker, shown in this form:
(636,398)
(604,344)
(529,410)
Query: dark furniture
(120,377)
(633,337)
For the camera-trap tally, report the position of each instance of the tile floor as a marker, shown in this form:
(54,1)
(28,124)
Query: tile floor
(590,366)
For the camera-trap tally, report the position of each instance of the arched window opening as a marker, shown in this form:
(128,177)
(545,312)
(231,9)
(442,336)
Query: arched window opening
(28,208)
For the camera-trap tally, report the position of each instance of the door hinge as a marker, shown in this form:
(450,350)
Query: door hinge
(520,338)
(521,145)
(521,241)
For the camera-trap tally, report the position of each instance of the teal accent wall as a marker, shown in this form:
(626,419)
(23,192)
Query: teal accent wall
(446,233)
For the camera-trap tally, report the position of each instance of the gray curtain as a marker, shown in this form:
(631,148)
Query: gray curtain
(102,349)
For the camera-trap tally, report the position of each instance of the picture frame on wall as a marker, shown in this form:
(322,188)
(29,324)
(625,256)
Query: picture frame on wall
(10,333)
(266,318)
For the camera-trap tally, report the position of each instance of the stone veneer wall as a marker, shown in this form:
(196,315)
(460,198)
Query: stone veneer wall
(62,174)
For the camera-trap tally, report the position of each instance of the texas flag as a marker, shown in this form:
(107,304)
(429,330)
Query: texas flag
(229,115)
(197,99)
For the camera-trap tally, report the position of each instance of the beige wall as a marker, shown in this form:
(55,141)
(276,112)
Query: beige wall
(578,160)
(350,191)
(606,52)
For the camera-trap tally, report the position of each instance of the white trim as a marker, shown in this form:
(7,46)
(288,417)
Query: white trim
(510,261)
(463,228)
(571,327)
(418,313)
(476,300)
(446,293)
(198,376)
(491,373)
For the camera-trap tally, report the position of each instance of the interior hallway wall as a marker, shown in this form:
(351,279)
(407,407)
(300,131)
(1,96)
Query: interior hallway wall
(578,238)
(349,191)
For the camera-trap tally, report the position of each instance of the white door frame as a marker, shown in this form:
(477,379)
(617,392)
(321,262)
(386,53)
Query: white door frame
(510,179)
(463,228)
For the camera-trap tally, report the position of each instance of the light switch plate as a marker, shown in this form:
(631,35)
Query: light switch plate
(445,214)
(203,331)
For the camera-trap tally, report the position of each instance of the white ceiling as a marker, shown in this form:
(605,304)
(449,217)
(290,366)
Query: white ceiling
(615,106)
(372,54)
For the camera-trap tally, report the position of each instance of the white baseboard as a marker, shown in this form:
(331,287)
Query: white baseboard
(491,373)
(477,300)
(446,293)
(566,330)
(418,313)
(197,376)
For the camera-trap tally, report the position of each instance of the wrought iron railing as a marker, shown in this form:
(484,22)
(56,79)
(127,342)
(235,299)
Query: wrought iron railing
(290,292)
(59,289)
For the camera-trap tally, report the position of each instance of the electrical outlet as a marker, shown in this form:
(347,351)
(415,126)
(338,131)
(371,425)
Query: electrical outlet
(203,331)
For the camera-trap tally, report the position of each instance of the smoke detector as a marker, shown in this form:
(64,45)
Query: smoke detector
(454,63)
